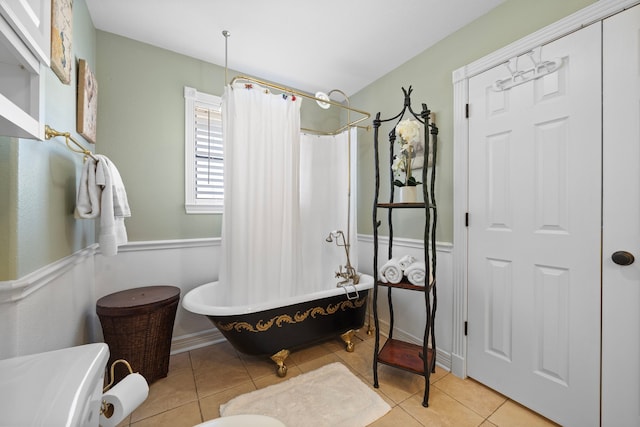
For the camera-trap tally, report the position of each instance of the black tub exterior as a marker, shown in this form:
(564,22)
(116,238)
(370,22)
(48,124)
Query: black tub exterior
(293,326)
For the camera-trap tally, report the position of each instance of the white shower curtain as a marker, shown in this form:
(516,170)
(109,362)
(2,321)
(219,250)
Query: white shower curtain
(272,237)
(324,204)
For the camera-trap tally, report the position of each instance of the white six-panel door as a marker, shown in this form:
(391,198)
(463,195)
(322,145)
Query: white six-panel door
(621,220)
(534,233)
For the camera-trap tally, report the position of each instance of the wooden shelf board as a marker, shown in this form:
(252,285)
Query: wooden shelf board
(405,205)
(405,284)
(404,355)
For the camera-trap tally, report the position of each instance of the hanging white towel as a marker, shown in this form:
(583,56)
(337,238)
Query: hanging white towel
(89,194)
(114,207)
(101,193)
(416,273)
(120,203)
(391,271)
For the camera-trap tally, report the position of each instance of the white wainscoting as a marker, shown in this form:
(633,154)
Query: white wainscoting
(50,308)
(182,263)
(408,308)
(54,307)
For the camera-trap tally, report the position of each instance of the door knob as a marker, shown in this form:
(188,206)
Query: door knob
(622,258)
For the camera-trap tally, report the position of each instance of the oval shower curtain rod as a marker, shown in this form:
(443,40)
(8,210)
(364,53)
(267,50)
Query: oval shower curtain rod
(287,90)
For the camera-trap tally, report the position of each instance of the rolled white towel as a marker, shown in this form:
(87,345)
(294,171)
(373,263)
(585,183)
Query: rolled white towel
(406,261)
(391,271)
(416,273)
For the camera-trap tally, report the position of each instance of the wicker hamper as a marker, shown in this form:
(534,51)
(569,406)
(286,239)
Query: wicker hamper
(137,325)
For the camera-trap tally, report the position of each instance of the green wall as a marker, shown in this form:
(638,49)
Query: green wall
(8,189)
(141,124)
(39,178)
(430,75)
(141,128)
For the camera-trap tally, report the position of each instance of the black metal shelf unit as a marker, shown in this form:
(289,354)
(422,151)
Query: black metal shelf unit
(397,353)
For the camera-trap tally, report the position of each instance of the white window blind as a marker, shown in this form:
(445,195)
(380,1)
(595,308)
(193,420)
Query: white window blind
(204,153)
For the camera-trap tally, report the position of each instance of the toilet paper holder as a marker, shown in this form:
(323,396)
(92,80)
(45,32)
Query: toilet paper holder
(111,373)
(106,409)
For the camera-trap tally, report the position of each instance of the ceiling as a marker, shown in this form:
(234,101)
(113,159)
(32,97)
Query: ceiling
(307,45)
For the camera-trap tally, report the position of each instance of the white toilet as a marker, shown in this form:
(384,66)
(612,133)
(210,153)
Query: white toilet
(64,388)
(56,388)
(242,421)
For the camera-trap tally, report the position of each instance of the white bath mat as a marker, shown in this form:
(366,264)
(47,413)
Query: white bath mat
(330,396)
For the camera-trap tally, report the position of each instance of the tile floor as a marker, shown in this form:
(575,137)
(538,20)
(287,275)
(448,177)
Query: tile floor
(199,381)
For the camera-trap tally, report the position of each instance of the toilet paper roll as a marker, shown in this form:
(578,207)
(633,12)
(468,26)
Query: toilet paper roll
(124,397)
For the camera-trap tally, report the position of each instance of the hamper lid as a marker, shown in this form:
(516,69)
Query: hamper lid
(136,299)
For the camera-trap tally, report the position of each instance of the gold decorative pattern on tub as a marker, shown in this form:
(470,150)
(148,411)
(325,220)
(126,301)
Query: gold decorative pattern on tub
(263,326)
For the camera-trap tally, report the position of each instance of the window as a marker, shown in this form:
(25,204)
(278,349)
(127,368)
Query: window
(204,154)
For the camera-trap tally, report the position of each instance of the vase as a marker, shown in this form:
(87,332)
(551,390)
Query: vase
(407,194)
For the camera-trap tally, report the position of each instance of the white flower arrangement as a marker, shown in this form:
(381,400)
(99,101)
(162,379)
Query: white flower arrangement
(408,133)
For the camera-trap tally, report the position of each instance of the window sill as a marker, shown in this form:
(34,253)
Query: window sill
(203,209)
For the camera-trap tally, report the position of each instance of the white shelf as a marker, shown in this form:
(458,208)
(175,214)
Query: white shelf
(23,56)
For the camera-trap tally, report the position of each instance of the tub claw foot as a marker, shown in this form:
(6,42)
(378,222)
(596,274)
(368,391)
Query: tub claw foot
(347,338)
(279,358)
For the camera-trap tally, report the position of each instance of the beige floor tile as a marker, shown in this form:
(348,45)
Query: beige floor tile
(512,414)
(319,362)
(438,374)
(125,423)
(397,384)
(268,380)
(364,333)
(204,357)
(179,362)
(360,360)
(396,417)
(260,366)
(210,405)
(184,416)
(177,389)
(443,411)
(220,376)
(336,344)
(483,400)
(215,374)
(309,353)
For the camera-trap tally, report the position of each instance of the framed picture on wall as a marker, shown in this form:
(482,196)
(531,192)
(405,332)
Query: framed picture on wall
(87,107)
(61,36)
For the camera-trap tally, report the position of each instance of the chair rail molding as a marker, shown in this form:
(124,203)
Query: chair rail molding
(16,290)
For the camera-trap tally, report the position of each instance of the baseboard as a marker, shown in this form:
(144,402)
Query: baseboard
(196,340)
(458,366)
(212,336)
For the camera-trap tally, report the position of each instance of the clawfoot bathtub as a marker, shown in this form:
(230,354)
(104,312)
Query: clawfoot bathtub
(276,328)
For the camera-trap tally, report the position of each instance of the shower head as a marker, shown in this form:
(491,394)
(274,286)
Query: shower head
(322,96)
